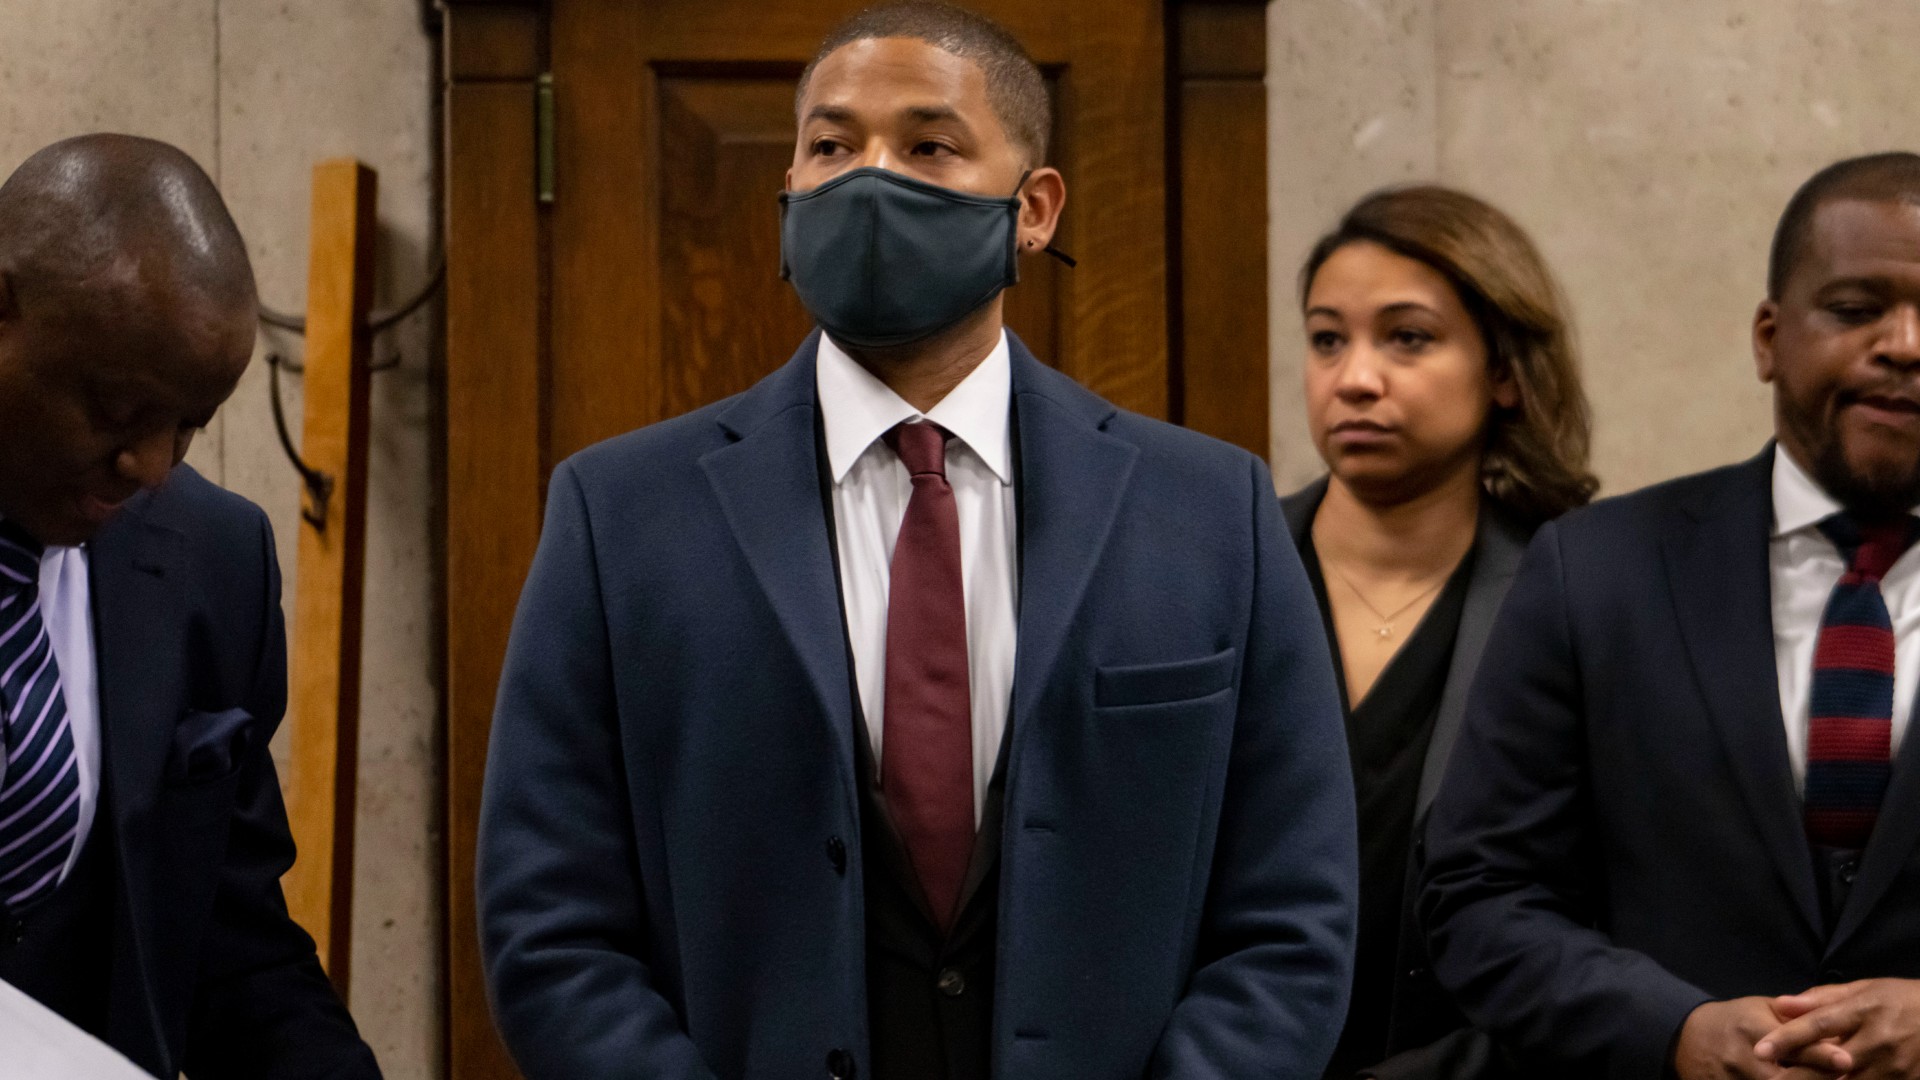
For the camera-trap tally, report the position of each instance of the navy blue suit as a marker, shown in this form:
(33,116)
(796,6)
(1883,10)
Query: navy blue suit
(670,871)
(1618,838)
(204,971)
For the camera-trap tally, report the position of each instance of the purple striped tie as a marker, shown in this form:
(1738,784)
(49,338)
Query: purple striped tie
(1850,716)
(40,789)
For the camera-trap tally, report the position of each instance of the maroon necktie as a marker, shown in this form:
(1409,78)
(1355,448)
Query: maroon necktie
(926,751)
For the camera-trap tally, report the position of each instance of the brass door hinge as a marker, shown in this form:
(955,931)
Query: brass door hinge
(543,148)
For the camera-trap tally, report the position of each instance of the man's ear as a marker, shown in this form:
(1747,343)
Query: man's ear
(1046,196)
(1766,323)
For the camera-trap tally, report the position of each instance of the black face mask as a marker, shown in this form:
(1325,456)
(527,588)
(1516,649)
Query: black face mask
(884,259)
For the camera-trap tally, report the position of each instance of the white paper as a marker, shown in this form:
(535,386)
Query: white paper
(41,1045)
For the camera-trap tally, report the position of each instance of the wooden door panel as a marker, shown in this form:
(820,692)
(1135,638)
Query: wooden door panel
(675,123)
(730,31)
(1219,340)
(726,318)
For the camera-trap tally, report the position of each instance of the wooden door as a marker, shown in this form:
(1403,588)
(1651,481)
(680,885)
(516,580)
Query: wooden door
(633,274)
(675,124)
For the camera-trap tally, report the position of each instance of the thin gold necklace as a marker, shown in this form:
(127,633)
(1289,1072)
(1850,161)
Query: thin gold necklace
(1385,629)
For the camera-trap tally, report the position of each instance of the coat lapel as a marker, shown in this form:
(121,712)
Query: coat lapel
(1497,548)
(1299,508)
(129,564)
(1722,592)
(767,482)
(1073,477)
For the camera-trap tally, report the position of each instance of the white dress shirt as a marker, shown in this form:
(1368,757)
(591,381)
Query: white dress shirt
(870,493)
(1805,566)
(67,610)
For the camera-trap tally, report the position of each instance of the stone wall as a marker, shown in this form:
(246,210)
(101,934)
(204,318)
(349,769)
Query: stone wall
(1648,146)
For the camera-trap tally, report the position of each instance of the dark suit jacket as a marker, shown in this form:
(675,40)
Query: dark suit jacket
(669,881)
(1618,838)
(209,975)
(1427,1038)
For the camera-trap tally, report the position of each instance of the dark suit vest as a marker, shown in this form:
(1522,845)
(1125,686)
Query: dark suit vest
(929,995)
(59,951)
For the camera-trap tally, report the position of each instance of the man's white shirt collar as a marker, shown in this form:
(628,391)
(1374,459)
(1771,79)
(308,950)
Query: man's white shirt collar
(858,408)
(1799,502)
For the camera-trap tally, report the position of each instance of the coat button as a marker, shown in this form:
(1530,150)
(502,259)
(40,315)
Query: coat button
(1416,974)
(1849,871)
(840,1065)
(952,983)
(837,854)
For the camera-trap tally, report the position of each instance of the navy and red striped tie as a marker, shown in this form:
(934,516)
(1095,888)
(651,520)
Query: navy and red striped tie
(1850,719)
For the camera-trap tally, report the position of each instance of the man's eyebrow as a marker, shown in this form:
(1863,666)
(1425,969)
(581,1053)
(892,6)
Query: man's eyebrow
(1862,282)
(835,114)
(928,114)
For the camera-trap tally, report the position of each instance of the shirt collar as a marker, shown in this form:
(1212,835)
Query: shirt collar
(858,408)
(1798,502)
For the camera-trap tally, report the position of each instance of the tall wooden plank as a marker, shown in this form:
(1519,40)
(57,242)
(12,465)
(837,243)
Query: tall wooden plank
(495,434)
(1113,100)
(1220,354)
(324,703)
(605,226)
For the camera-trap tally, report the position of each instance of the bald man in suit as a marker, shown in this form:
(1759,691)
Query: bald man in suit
(142,655)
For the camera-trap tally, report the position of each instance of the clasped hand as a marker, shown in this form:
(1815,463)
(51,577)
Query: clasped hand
(1866,1030)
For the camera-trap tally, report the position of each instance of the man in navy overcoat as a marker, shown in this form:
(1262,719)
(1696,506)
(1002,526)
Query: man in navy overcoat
(1083,634)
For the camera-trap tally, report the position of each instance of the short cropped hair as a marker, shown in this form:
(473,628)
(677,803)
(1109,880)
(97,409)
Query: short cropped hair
(1888,177)
(1015,87)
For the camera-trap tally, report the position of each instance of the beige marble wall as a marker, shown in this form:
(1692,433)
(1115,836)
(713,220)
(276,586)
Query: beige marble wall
(1647,145)
(257,90)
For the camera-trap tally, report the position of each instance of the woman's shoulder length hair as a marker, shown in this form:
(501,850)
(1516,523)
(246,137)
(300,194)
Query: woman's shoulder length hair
(1535,458)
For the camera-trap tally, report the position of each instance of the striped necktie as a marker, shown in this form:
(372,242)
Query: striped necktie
(1850,719)
(40,789)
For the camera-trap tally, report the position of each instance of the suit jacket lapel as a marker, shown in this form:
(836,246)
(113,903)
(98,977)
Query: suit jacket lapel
(1073,478)
(767,483)
(1722,592)
(1497,548)
(1299,508)
(129,563)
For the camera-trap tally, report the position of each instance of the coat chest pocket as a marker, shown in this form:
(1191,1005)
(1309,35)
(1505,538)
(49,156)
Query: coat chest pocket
(202,774)
(1167,683)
